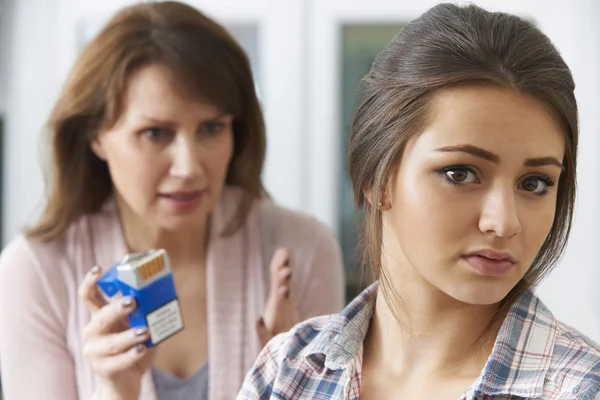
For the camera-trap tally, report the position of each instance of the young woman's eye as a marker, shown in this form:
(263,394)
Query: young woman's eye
(458,175)
(537,185)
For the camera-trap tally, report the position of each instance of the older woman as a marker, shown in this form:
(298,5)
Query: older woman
(158,142)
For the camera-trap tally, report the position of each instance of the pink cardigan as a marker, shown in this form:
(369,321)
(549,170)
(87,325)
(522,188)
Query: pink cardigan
(41,317)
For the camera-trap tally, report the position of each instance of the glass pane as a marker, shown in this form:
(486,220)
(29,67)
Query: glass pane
(247,37)
(360,45)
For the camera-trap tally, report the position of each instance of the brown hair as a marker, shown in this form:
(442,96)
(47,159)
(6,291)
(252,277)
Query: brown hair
(452,45)
(208,64)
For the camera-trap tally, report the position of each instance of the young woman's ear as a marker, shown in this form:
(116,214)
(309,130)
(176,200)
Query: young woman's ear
(382,203)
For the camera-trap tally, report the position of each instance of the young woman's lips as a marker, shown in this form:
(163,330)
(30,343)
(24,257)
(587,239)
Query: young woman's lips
(183,201)
(489,263)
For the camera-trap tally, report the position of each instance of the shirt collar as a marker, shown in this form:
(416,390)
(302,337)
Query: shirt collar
(518,364)
(341,339)
(521,356)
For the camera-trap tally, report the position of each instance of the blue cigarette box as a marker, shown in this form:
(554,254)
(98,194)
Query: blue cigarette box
(147,277)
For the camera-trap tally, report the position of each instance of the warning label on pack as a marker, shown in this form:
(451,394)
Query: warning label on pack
(164,322)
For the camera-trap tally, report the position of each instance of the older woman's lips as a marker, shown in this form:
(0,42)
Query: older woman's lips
(183,201)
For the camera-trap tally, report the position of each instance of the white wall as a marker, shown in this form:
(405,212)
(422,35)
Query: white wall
(31,86)
(4,30)
(40,50)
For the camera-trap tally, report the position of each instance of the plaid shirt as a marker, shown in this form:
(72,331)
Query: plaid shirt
(534,357)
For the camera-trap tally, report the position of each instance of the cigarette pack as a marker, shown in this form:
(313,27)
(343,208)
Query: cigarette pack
(147,277)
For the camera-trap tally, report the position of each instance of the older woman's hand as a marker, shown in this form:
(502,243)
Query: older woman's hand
(115,352)
(281,312)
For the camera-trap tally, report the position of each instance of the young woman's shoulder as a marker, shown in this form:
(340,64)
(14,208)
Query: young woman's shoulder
(300,341)
(535,350)
(575,362)
(287,361)
(313,359)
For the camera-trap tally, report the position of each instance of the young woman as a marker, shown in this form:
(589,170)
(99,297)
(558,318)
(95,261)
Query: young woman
(158,142)
(462,156)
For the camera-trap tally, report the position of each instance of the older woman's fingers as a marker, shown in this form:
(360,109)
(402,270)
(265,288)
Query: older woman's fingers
(279,260)
(114,343)
(110,367)
(263,332)
(110,318)
(88,291)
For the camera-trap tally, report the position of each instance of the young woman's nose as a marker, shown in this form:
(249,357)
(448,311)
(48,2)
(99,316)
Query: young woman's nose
(499,214)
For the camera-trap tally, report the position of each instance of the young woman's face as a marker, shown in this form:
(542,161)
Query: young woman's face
(168,154)
(474,196)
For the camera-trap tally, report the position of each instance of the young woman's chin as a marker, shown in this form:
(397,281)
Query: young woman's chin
(480,294)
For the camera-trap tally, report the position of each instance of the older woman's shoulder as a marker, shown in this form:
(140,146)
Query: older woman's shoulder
(87,241)
(293,223)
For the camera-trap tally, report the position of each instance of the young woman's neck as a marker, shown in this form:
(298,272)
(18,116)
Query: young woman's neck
(185,248)
(429,333)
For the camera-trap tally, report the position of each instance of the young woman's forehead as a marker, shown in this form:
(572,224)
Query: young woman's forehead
(493,117)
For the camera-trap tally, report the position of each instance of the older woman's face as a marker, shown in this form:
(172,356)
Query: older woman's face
(475,195)
(168,154)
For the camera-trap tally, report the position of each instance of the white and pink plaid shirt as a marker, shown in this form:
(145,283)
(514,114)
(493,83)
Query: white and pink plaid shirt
(534,357)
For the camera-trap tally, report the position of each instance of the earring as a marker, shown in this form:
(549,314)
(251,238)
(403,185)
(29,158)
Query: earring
(380,204)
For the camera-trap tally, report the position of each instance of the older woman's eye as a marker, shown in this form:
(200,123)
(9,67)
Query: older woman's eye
(157,134)
(458,175)
(212,128)
(153,133)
